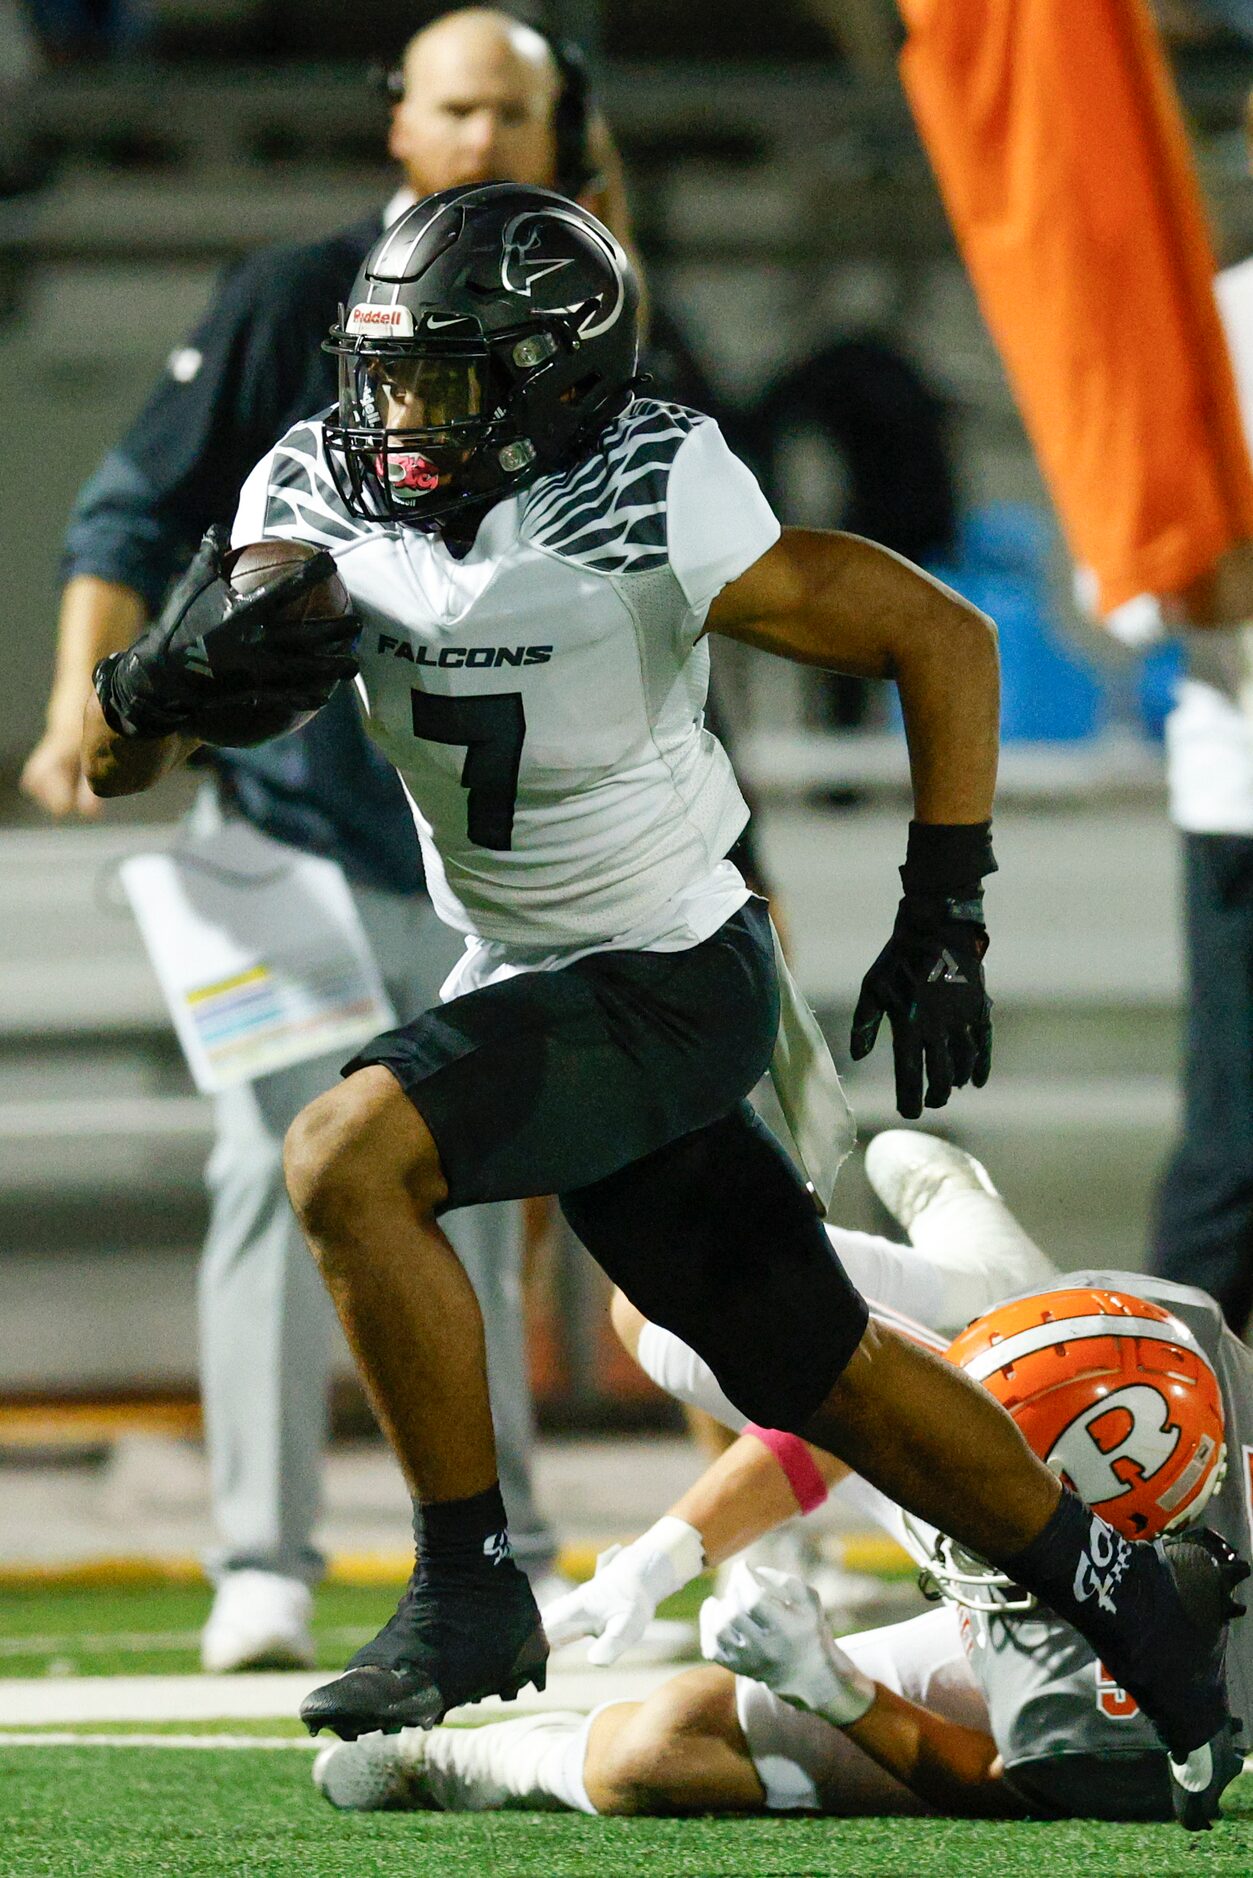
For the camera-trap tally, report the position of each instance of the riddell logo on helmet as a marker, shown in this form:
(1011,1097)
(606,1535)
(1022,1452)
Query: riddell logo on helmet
(380,319)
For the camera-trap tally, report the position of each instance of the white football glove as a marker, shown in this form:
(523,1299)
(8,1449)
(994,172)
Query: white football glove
(772,1627)
(617,1605)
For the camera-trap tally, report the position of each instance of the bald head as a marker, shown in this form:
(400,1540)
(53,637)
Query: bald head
(480,94)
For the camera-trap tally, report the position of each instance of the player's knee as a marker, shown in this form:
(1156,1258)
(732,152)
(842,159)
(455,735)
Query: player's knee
(643,1772)
(653,1764)
(360,1140)
(319,1163)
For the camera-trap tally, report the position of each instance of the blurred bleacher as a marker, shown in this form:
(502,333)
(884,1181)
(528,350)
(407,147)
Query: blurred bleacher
(780,205)
(102,1141)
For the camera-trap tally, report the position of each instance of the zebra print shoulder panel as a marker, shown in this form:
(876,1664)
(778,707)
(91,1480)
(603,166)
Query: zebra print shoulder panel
(608,513)
(301,498)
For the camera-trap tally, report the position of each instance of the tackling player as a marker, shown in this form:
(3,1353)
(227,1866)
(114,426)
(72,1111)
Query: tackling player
(986,1705)
(536,553)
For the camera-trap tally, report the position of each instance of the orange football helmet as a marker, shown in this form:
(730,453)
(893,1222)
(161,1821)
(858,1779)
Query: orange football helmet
(1115,1395)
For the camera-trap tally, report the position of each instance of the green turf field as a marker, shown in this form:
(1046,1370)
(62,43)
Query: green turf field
(140,1810)
(86,1812)
(135,1630)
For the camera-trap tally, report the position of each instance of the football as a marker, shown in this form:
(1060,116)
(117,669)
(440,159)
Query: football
(238,723)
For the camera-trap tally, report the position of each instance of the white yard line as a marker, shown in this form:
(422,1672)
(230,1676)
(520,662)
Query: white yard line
(67,1701)
(66,1738)
(138,1642)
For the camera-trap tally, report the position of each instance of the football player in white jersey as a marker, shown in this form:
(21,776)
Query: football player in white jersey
(1131,1386)
(536,552)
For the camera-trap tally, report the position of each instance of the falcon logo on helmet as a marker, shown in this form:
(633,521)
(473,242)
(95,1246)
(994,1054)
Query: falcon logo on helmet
(490,337)
(1115,1395)
(522,265)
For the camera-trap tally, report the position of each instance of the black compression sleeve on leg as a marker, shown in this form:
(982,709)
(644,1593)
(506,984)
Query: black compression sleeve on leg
(715,1238)
(458,1538)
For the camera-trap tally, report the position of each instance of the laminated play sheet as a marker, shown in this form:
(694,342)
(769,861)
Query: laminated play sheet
(259,951)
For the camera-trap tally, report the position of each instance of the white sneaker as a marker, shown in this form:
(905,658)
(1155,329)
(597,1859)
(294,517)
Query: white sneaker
(375,1773)
(259,1620)
(946,1202)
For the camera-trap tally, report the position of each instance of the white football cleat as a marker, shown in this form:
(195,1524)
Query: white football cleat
(259,1620)
(946,1202)
(375,1773)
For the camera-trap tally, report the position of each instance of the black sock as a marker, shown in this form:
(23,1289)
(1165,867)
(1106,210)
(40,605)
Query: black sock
(462,1538)
(1122,1598)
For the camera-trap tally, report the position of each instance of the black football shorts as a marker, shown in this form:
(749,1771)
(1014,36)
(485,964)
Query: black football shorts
(555,1079)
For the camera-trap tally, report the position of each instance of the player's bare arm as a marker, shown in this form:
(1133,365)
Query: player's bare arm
(113,764)
(754,1485)
(837,601)
(771,1628)
(751,1489)
(748,1491)
(97,617)
(953,1768)
(843,603)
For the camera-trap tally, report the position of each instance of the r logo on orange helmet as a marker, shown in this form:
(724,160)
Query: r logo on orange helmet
(1150,1441)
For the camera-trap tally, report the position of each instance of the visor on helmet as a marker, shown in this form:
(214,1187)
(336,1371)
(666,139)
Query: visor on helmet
(411,424)
(435,393)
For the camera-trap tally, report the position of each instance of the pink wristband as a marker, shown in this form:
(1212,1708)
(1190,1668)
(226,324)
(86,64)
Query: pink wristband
(797,1463)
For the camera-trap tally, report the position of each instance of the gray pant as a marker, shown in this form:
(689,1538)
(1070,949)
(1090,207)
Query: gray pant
(1204,1228)
(266,1322)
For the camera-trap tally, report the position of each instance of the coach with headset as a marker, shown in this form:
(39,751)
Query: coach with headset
(479,97)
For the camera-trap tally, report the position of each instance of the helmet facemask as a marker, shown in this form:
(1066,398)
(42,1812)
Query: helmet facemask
(418,432)
(958,1576)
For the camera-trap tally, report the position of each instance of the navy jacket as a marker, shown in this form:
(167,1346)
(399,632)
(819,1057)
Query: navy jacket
(252,367)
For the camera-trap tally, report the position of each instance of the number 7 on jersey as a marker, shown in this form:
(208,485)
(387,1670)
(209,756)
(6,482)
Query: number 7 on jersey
(492,728)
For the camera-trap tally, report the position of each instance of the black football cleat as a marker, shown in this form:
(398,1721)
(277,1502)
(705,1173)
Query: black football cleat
(447,1644)
(1198,1784)
(1206,1571)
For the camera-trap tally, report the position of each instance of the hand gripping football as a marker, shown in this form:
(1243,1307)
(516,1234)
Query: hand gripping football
(242,721)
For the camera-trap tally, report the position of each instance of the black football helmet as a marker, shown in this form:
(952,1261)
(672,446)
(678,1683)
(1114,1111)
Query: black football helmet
(492,335)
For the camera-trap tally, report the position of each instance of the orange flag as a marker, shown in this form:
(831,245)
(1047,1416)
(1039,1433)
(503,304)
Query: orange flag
(1055,133)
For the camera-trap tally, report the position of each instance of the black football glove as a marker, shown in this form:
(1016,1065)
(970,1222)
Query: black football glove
(211,643)
(928,979)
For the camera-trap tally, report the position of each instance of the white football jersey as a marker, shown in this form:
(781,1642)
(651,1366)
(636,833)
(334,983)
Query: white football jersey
(543,697)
